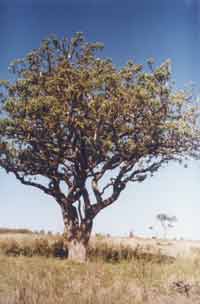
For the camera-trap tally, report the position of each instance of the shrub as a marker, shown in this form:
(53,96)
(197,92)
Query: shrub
(59,248)
(10,247)
(99,250)
(41,247)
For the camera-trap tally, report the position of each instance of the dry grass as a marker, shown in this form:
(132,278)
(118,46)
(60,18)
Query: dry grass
(38,280)
(15,231)
(141,278)
(99,249)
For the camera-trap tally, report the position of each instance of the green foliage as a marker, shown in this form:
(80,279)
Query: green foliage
(71,117)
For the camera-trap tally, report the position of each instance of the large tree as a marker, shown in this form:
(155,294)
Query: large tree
(79,129)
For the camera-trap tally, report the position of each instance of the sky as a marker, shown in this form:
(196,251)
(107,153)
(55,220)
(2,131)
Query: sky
(129,29)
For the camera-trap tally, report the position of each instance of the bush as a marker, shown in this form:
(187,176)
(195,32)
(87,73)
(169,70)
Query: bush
(109,252)
(41,247)
(59,249)
(10,247)
(99,250)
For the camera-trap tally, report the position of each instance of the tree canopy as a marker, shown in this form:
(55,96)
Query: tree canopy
(166,221)
(78,128)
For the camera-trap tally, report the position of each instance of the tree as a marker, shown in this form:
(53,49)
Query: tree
(166,221)
(79,129)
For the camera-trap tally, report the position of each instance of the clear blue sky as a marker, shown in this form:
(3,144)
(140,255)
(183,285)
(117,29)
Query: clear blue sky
(130,29)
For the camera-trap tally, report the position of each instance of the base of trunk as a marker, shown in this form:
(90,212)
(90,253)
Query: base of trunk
(76,251)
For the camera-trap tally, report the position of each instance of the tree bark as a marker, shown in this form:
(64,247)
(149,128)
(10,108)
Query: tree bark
(77,234)
(77,251)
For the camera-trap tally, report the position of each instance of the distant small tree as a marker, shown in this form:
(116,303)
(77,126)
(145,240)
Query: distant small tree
(79,129)
(166,222)
(131,234)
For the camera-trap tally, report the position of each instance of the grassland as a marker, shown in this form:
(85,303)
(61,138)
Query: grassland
(140,276)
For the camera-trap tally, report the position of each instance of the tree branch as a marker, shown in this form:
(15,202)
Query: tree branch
(29,183)
(96,190)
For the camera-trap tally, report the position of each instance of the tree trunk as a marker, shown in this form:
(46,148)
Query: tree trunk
(77,251)
(77,234)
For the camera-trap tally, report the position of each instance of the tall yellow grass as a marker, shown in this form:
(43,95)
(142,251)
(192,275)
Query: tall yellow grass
(113,274)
